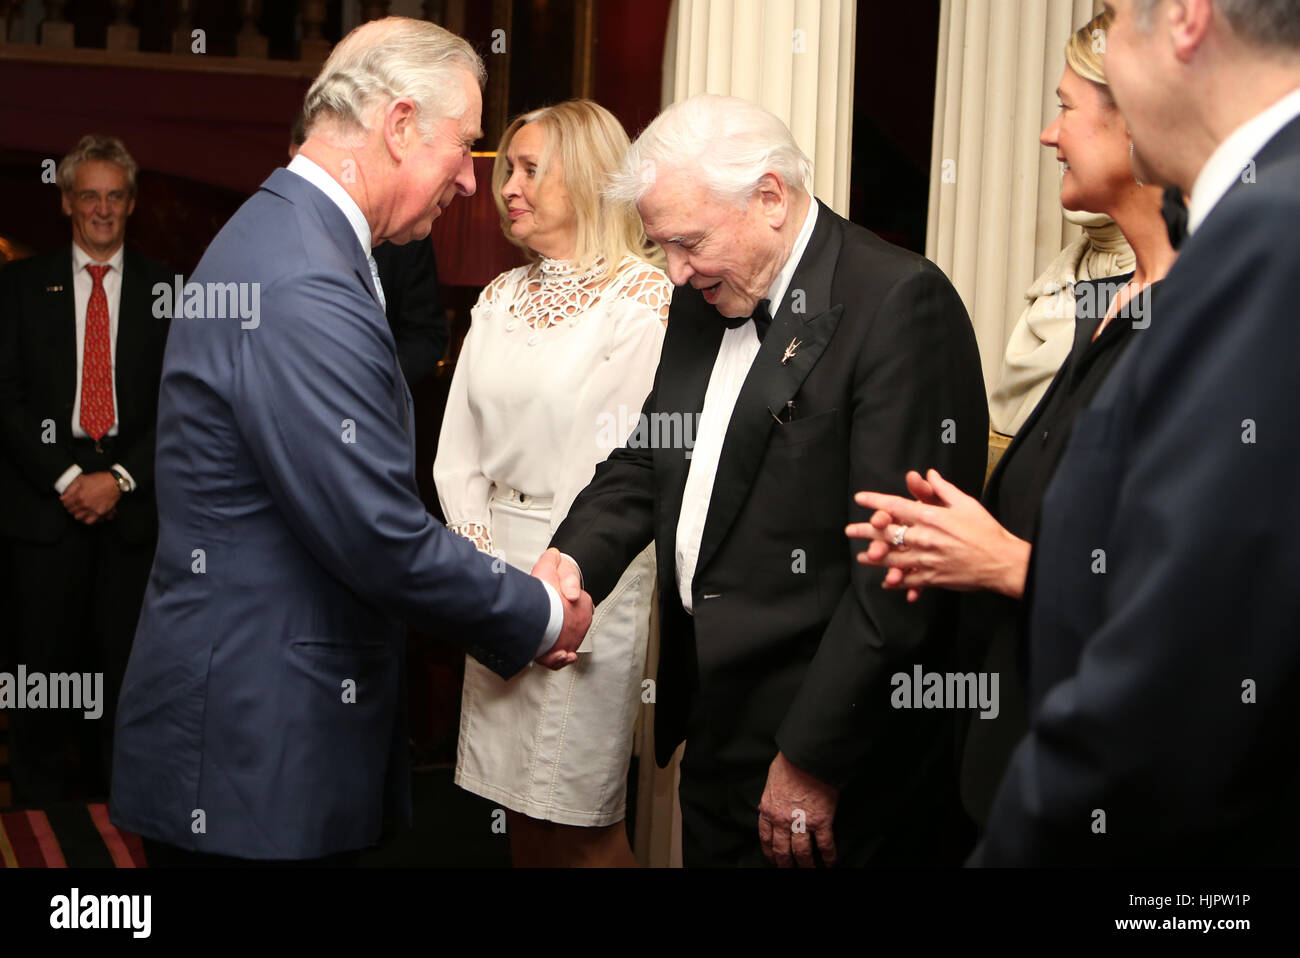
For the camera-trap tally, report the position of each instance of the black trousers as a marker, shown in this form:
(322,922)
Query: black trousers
(76,603)
(162,855)
(925,824)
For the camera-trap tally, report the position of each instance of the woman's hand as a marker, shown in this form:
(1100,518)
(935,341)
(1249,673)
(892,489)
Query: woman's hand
(948,540)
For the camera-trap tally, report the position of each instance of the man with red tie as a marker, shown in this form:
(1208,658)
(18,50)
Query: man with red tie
(81,348)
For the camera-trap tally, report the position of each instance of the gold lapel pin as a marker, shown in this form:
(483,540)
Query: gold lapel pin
(53,289)
(790,351)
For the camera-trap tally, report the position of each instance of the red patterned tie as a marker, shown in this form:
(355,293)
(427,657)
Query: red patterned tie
(96,367)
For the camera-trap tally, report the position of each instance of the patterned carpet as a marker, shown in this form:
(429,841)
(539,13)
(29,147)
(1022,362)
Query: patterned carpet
(453,828)
(67,835)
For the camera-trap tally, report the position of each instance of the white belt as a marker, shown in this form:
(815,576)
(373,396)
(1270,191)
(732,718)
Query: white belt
(519,499)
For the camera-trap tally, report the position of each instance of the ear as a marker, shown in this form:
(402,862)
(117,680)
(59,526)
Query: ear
(399,127)
(1188,22)
(65,199)
(130,206)
(774,196)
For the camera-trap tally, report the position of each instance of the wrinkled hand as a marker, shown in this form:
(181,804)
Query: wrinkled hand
(567,580)
(949,540)
(91,497)
(797,810)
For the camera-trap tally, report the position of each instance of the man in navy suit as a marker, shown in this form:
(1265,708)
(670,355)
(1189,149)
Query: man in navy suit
(1165,622)
(262,716)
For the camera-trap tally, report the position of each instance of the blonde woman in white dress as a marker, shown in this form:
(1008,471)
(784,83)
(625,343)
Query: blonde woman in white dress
(559,358)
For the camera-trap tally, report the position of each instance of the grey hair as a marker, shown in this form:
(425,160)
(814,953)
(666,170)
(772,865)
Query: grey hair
(1266,23)
(93,146)
(729,144)
(383,60)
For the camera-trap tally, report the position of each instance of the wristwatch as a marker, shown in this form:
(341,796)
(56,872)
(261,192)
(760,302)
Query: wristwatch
(123,483)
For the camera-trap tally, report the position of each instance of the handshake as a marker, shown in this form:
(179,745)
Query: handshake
(560,572)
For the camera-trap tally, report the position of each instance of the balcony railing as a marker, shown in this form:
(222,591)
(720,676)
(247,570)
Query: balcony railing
(243,45)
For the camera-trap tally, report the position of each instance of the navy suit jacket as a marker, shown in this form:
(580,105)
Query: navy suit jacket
(263,711)
(1165,617)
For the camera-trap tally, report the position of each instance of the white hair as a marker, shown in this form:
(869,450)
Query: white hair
(725,143)
(383,60)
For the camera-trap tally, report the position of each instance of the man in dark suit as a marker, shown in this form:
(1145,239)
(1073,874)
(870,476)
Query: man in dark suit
(81,348)
(412,302)
(263,713)
(1165,620)
(777,649)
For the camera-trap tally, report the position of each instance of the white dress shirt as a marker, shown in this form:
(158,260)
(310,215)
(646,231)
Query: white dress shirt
(323,181)
(82,286)
(1228,161)
(730,368)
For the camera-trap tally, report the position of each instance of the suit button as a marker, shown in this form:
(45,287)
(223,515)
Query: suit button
(1045,435)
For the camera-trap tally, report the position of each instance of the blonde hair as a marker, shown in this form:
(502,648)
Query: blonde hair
(104,149)
(383,60)
(1084,57)
(590,145)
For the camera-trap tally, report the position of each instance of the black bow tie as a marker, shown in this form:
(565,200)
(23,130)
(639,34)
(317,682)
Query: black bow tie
(1174,211)
(762,320)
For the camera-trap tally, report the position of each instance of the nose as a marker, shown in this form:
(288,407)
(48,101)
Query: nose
(1049,135)
(679,269)
(465,184)
(511,188)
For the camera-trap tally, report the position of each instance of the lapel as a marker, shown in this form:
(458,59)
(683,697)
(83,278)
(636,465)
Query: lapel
(1284,145)
(772,382)
(690,349)
(134,309)
(58,306)
(336,229)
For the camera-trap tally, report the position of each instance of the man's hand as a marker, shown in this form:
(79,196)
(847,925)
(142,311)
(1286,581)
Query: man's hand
(91,496)
(567,580)
(796,810)
(559,571)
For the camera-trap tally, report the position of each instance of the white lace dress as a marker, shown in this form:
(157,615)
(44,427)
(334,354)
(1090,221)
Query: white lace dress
(552,376)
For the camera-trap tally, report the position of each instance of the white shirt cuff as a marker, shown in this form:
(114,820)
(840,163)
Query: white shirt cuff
(555,626)
(130,482)
(582,582)
(61,484)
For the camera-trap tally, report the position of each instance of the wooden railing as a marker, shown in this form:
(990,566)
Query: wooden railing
(57,37)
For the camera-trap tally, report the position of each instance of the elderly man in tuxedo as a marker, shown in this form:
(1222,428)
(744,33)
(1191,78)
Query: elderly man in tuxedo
(1164,614)
(262,716)
(81,350)
(804,356)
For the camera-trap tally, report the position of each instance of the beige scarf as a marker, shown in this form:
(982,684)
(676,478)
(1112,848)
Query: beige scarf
(1044,333)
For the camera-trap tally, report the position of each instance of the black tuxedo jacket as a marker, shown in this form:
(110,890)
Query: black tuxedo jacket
(414,310)
(38,382)
(793,643)
(1165,619)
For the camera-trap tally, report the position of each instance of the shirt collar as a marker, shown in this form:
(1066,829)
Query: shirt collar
(80,259)
(782,282)
(314,174)
(1226,163)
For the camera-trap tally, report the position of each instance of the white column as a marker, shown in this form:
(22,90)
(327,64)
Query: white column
(795,57)
(995,219)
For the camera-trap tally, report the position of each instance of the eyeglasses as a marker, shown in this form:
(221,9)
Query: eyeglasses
(88,199)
